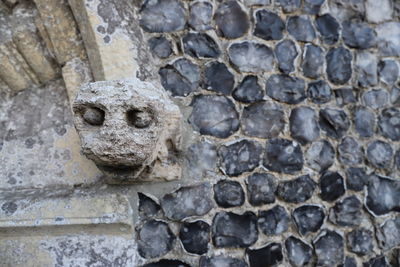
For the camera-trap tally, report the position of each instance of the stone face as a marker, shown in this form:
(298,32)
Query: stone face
(286,53)
(214,115)
(319,92)
(129,140)
(329,247)
(248,91)
(200,45)
(364,121)
(195,200)
(388,234)
(333,122)
(378,12)
(267,256)
(286,89)
(388,71)
(160,46)
(388,38)
(261,188)
(283,155)
(251,57)
(200,16)
(195,237)
(221,261)
(376,98)
(297,190)
(328,27)
(347,212)
(289,6)
(389,123)
(350,152)
(356,178)
(180,78)
(147,206)
(162,16)
(380,154)
(304,125)
(269,26)
(383,195)
(308,218)
(313,61)
(273,221)
(239,157)
(234,230)
(320,155)
(263,120)
(358,35)
(360,241)
(232,22)
(339,65)
(301,28)
(228,194)
(367,69)
(218,78)
(331,185)
(155,239)
(298,252)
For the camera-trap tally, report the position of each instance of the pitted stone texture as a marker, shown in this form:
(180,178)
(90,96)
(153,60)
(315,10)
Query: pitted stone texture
(195,237)
(299,253)
(320,155)
(350,151)
(155,239)
(232,22)
(334,122)
(286,89)
(347,212)
(200,45)
(267,256)
(180,78)
(383,195)
(331,185)
(308,218)
(268,25)
(297,190)
(367,67)
(201,16)
(329,247)
(319,92)
(261,188)
(304,125)
(234,230)
(328,27)
(339,65)
(263,120)
(239,157)
(251,57)
(388,234)
(301,28)
(228,194)
(163,16)
(195,200)
(313,61)
(364,121)
(388,38)
(360,241)
(380,154)
(376,98)
(274,221)
(221,261)
(137,134)
(358,35)
(214,115)
(286,53)
(283,156)
(218,78)
(389,123)
(249,90)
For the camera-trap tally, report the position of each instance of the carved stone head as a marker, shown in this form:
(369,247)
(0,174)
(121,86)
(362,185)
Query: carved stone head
(130,129)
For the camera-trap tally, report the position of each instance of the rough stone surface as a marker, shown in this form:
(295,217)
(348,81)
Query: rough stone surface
(382,195)
(347,212)
(200,45)
(160,46)
(228,194)
(269,26)
(345,96)
(286,53)
(297,190)
(286,89)
(304,125)
(380,154)
(339,65)
(367,66)
(313,7)
(221,261)
(358,35)
(319,92)
(299,253)
(376,98)
(195,237)
(331,185)
(308,218)
(356,178)
(389,123)
(201,16)
(360,241)
(263,120)
(249,90)
(167,263)
(147,206)
(313,61)
(274,221)
(320,155)
(334,122)
(218,78)
(283,155)
(155,239)
(388,233)
(239,157)
(364,121)
(329,247)
(328,27)
(232,22)
(202,158)
(269,255)
(350,152)
(301,28)
(261,188)
(378,12)
(289,6)
(388,71)
(388,38)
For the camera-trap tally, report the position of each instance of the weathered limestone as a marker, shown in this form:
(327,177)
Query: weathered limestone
(130,129)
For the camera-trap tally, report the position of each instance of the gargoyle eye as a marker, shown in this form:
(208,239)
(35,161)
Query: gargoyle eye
(93,116)
(139,118)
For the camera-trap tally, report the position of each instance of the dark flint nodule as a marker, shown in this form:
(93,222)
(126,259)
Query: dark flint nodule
(329,247)
(319,92)
(308,218)
(313,61)
(286,89)
(261,188)
(283,155)
(286,53)
(200,45)
(347,212)
(331,185)
(334,122)
(228,194)
(274,221)
(299,253)
(339,65)
(231,21)
(301,28)
(304,125)
(328,27)
(195,236)
(269,26)
(296,190)
(248,91)
(267,256)
(218,78)
(320,155)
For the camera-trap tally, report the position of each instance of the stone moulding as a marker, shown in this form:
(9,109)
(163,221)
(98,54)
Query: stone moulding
(130,129)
